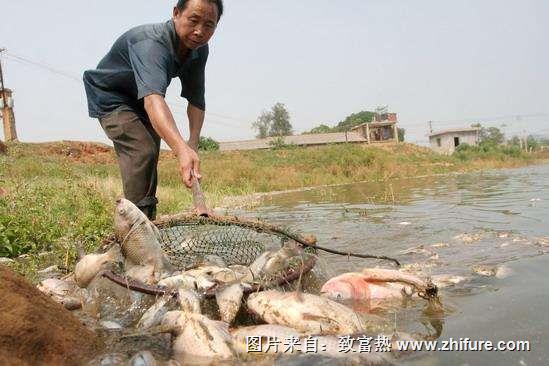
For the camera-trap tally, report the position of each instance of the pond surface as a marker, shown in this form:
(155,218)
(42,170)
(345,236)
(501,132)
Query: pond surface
(454,225)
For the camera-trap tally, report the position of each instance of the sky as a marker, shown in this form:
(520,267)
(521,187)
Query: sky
(450,62)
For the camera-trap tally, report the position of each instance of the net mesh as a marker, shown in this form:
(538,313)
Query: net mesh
(190,240)
(189,244)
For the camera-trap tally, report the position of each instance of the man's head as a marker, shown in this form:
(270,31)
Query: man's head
(195,21)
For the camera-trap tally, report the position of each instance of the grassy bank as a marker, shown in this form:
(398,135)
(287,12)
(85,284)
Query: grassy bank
(59,193)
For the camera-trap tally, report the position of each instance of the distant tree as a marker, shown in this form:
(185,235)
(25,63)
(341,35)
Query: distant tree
(320,129)
(275,122)
(263,124)
(354,119)
(489,135)
(401,133)
(207,144)
(280,125)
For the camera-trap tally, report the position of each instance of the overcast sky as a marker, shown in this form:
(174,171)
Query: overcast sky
(448,61)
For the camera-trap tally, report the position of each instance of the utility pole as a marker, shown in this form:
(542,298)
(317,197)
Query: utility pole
(431,126)
(10,134)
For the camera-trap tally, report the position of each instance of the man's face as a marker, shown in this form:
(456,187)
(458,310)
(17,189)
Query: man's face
(196,24)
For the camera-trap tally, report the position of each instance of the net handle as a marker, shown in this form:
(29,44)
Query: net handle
(198,197)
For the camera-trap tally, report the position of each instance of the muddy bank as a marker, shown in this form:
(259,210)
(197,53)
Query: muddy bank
(34,330)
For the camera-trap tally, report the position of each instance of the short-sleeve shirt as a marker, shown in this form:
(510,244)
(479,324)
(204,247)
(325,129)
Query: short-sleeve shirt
(143,61)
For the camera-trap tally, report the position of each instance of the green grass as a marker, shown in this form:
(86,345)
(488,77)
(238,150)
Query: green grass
(62,193)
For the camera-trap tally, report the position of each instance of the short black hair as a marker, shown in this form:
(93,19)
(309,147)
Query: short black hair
(219,3)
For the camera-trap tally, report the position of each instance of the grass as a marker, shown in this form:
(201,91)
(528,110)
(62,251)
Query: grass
(61,193)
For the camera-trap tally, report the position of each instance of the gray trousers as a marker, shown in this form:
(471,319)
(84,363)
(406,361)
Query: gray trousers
(137,146)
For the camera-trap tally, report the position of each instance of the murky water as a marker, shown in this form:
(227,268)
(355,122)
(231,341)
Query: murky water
(446,225)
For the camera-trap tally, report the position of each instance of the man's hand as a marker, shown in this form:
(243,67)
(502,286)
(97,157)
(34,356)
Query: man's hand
(189,164)
(164,124)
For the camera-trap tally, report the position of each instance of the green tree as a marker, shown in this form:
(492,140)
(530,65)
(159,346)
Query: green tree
(320,129)
(489,135)
(207,144)
(401,133)
(275,122)
(280,125)
(263,124)
(354,119)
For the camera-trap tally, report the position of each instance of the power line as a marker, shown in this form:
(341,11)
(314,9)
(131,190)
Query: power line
(171,103)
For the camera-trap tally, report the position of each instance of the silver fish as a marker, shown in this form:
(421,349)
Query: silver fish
(198,337)
(143,358)
(228,300)
(155,313)
(307,313)
(89,266)
(189,300)
(138,237)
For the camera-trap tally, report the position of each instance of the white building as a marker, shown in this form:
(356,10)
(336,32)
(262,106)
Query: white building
(445,142)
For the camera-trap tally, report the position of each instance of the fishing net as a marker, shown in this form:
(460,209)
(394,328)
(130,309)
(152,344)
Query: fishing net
(188,240)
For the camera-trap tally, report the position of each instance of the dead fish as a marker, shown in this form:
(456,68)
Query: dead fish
(143,358)
(446,280)
(243,273)
(392,275)
(307,313)
(216,273)
(228,300)
(64,292)
(279,260)
(198,337)
(89,266)
(56,287)
(188,282)
(356,286)
(264,331)
(491,270)
(139,237)
(257,265)
(144,274)
(189,300)
(155,313)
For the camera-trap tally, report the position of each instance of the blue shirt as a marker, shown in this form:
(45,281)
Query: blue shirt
(143,61)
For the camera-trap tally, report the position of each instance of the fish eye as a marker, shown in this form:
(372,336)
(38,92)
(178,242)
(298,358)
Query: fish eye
(121,211)
(339,296)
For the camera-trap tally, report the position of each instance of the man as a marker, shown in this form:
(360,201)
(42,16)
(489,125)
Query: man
(126,93)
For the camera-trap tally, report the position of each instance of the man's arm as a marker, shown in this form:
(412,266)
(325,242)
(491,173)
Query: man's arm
(196,120)
(164,124)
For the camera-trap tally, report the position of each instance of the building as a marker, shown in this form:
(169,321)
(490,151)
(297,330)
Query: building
(445,142)
(299,140)
(382,128)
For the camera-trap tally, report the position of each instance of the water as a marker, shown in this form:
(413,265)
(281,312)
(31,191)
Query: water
(454,224)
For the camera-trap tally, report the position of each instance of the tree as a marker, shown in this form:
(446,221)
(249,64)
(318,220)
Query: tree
(320,129)
(207,144)
(275,122)
(401,132)
(489,135)
(263,124)
(280,125)
(354,119)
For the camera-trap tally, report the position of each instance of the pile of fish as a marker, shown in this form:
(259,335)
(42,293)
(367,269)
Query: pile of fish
(198,336)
